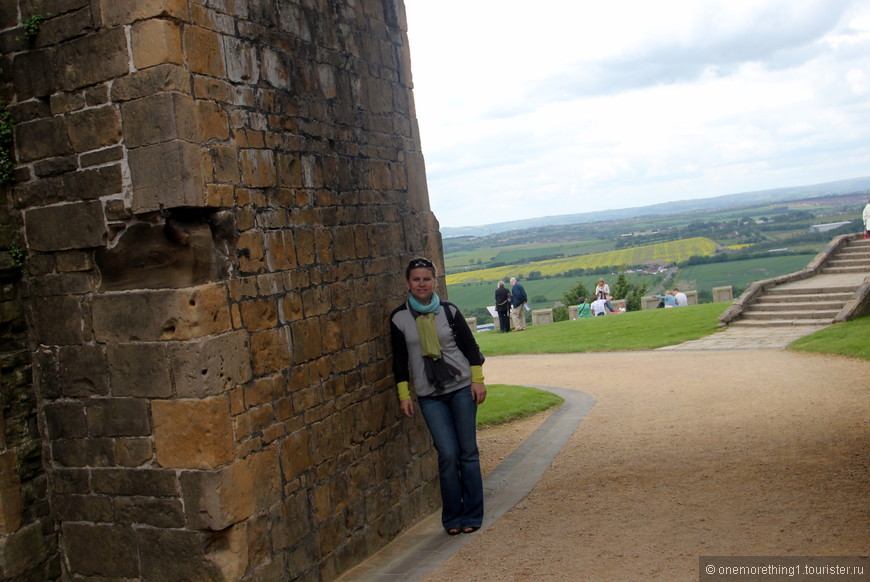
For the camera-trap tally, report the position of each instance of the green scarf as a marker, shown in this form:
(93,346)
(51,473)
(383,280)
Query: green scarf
(426,329)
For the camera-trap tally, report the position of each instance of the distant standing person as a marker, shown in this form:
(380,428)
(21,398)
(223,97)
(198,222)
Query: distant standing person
(503,307)
(518,301)
(680,297)
(602,291)
(866,216)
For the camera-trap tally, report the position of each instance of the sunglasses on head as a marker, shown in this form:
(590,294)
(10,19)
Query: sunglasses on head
(421,263)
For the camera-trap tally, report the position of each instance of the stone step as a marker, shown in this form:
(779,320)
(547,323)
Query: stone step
(805,297)
(844,290)
(853,252)
(844,270)
(823,314)
(848,260)
(795,306)
(779,323)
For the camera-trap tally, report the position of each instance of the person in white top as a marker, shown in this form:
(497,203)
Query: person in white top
(681,298)
(866,216)
(599,307)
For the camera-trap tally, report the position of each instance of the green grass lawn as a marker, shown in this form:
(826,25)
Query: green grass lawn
(846,339)
(505,403)
(634,330)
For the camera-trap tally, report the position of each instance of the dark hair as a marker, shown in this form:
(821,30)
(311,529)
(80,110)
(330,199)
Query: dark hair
(419,263)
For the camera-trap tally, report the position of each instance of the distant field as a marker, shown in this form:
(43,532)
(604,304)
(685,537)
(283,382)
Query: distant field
(666,252)
(467,260)
(739,273)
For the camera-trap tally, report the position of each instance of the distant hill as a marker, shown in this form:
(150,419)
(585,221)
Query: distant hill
(717,203)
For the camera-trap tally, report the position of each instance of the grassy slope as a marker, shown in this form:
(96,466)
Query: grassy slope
(638,330)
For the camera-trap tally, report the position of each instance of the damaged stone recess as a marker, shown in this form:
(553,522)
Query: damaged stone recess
(186,247)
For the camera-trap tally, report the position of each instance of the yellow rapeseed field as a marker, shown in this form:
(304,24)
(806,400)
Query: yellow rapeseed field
(660,253)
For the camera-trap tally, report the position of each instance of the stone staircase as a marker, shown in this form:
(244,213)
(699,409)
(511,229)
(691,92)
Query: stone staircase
(833,288)
(853,257)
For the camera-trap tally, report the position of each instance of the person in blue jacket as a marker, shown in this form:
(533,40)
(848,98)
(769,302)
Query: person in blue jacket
(518,301)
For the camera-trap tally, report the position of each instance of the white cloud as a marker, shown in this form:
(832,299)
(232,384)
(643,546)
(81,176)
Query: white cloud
(568,106)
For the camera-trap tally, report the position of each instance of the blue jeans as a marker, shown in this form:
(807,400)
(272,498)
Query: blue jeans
(452,421)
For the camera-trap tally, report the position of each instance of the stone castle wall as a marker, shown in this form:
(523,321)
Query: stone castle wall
(216,199)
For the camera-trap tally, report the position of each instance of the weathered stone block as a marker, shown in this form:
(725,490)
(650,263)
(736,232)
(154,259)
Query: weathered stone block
(168,77)
(144,482)
(217,499)
(293,521)
(265,390)
(133,452)
(68,226)
(193,434)
(101,550)
(210,366)
(82,371)
(65,420)
(280,251)
(167,513)
(188,555)
(204,51)
(91,59)
(169,314)
(94,128)
(95,183)
(63,27)
(43,138)
(159,118)
(139,369)
(33,74)
(156,42)
(55,166)
(295,454)
(117,13)
(74,261)
(225,164)
(23,550)
(118,417)
(157,256)
(258,168)
(99,157)
(211,122)
(259,314)
(82,508)
(10,493)
(93,452)
(241,60)
(179,183)
(270,351)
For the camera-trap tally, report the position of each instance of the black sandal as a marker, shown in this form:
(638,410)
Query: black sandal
(470,529)
(453,531)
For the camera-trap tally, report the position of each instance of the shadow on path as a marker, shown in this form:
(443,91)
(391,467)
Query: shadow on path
(421,549)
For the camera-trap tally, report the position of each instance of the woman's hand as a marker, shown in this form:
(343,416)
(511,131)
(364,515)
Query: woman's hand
(407,406)
(478,392)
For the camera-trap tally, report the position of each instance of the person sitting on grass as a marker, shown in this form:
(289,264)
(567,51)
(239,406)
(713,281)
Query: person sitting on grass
(667,300)
(583,310)
(599,307)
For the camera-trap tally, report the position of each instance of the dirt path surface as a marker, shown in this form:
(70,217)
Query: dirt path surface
(683,454)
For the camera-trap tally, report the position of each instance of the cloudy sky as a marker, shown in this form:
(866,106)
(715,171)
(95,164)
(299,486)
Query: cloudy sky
(552,107)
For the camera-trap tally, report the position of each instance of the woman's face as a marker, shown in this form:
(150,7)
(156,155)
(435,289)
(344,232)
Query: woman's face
(421,283)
